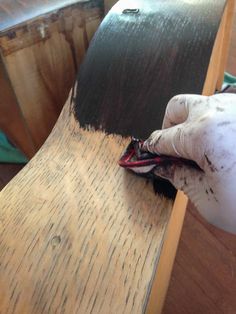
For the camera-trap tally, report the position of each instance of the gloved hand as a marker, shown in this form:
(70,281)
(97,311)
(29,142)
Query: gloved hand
(202,129)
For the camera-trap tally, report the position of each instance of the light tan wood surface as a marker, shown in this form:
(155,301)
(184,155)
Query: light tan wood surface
(226,39)
(215,74)
(230,67)
(93,246)
(165,264)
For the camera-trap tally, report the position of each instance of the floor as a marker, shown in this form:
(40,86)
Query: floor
(204,275)
(231,65)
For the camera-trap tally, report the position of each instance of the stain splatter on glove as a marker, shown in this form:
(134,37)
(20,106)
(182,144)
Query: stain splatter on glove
(202,129)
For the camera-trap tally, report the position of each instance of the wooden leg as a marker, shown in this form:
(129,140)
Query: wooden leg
(166,261)
(228,16)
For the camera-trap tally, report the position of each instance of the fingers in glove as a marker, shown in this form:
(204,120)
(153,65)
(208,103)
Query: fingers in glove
(171,141)
(178,109)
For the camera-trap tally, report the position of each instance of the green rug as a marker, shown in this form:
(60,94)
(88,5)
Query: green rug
(9,153)
(229,80)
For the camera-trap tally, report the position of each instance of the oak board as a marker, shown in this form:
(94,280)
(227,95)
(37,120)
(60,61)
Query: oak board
(78,233)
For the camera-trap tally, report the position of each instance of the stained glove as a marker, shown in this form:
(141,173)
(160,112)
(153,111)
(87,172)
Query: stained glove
(202,129)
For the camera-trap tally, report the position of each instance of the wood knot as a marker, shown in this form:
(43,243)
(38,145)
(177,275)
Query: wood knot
(56,240)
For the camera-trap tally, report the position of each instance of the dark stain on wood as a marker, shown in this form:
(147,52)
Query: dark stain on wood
(137,62)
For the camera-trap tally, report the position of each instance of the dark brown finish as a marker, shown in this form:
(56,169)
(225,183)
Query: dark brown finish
(13,12)
(144,56)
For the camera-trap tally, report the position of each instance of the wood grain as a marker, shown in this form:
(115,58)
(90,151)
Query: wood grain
(229,12)
(94,246)
(166,261)
(216,62)
(161,43)
(231,68)
(81,235)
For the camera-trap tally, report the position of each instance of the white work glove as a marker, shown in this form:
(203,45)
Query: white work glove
(202,129)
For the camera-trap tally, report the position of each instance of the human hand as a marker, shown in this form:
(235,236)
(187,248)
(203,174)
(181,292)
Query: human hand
(202,129)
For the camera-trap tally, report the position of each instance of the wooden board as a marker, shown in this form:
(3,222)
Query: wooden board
(231,68)
(78,233)
(227,35)
(93,246)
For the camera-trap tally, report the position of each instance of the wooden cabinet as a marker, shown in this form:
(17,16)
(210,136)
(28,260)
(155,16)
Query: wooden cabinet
(42,45)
